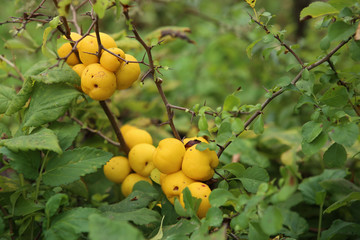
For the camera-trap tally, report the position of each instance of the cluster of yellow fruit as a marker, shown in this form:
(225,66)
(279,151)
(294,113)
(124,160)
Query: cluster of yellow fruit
(174,165)
(101,74)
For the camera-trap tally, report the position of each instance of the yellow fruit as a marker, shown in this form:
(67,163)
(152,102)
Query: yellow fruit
(109,61)
(64,50)
(173,184)
(136,136)
(169,154)
(162,177)
(199,165)
(117,169)
(74,36)
(127,73)
(187,140)
(140,159)
(79,68)
(202,191)
(129,182)
(126,127)
(97,82)
(88,47)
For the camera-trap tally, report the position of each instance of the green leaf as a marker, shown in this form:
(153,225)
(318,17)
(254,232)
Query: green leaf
(179,230)
(73,164)
(21,97)
(224,133)
(54,202)
(272,220)
(237,125)
(70,224)
(62,74)
(48,103)
(314,146)
(354,49)
(340,31)
(231,103)
(259,125)
(340,4)
(191,203)
(6,95)
(256,233)
(64,7)
(318,9)
(143,198)
(347,200)
(140,216)
(339,186)
(100,7)
(214,217)
(345,134)
(24,206)
(311,130)
(65,132)
(27,163)
(240,222)
(295,225)
(235,168)
(37,68)
(325,43)
(335,156)
(47,52)
(310,186)
(250,48)
(306,74)
(44,139)
(220,196)
(203,124)
(339,229)
(253,177)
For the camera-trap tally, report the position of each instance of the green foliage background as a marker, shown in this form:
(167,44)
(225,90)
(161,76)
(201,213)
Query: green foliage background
(294,172)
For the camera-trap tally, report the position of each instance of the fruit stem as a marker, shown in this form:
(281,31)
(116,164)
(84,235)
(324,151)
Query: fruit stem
(114,124)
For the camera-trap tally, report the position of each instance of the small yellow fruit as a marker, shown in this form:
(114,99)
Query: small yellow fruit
(187,140)
(173,184)
(202,191)
(169,154)
(117,169)
(127,73)
(129,182)
(126,127)
(64,50)
(74,36)
(109,61)
(136,136)
(106,40)
(97,82)
(199,165)
(140,159)
(79,68)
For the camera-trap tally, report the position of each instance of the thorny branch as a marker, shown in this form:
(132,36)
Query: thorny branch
(151,72)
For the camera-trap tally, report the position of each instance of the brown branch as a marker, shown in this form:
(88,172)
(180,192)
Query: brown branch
(96,132)
(151,72)
(114,124)
(276,94)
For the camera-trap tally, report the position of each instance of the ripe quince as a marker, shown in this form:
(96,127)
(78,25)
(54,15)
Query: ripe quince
(117,169)
(173,184)
(127,73)
(168,156)
(129,182)
(202,191)
(140,159)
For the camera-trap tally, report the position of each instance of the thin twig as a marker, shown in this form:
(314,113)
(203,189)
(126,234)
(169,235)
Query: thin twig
(96,132)
(11,64)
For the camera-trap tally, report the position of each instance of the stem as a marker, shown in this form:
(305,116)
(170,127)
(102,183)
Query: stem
(320,220)
(123,147)
(38,180)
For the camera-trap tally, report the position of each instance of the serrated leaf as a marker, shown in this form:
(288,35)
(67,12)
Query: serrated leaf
(37,68)
(340,31)
(26,206)
(231,102)
(70,224)
(345,134)
(27,163)
(272,220)
(21,97)
(140,216)
(335,156)
(335,97)
(235,168)
(214,217)
(54,202)
(311,130)
(6,95)
(44,139)
(73,164)
(219,197)
(259,125)
(314,146)
(295,224)
(112,229)
(253,177)
(318,9)
(65,132)
(237,125)
(63,74)
(48,103)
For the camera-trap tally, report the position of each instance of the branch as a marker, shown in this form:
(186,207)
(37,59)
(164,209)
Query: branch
(114,124)
(96,132)
(11,64)
(276,94)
